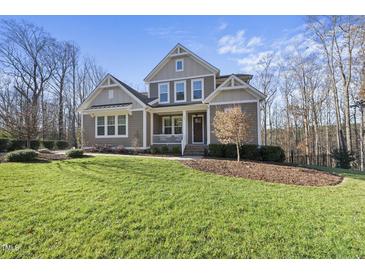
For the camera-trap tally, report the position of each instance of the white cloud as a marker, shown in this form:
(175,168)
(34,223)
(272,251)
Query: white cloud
(249,64)
(237,43)
(222,26)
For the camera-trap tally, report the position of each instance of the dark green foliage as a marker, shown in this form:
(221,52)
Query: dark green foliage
(48,144)
(230,151)
(155,150)
(75,153)
(164,149)
(17,144)
(25,155)
(250,152)
(216,150)
(176,150)
(272,154)
(35,144)
(4,143)
(61,144)
(343,158)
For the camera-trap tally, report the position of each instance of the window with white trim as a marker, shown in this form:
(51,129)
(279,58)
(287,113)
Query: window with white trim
(197,89)
(172,125)
(112,126)
(100,124)
(180,91)
(163,92)
(179,65)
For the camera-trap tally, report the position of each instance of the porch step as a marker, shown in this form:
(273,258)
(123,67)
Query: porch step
(194,150)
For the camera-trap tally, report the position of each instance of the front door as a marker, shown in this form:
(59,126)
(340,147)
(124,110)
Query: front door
(198,129)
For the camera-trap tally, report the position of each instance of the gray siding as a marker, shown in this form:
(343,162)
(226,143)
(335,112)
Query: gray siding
(208,88)
(120,96)
(191,68)
(249,108)
(135,129)
(233,95)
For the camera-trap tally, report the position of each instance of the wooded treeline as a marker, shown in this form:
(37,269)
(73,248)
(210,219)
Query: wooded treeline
(42,82)
(315,91)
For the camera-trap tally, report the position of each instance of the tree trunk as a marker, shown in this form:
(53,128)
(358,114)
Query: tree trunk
(60,113)
(238,152)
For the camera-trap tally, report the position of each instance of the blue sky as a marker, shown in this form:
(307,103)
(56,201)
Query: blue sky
(130,46)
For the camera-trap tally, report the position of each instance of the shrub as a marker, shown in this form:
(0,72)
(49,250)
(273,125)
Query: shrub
(4,143)
(61,144)
(48,144)
(25,155)
(34,144)
(250,152)
(155,150)
(272,154)
(230,151)
(343,158)
(176,150)
(164,149)
(17,145)
(75,153)
(216,150)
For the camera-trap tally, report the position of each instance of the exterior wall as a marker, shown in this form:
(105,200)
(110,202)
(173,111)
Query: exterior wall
(148,129)
(191,68)
(233,95)
(249,108)
(190,126)
(135,128)
(208,88)
(120,96)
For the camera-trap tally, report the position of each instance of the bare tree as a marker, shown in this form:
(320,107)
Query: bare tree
(231,126)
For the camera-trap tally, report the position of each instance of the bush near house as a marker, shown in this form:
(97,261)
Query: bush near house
(48,144)
(75,153)
(176,150)
(155,150)
(4,143)
(35,144)
(248,152)
(60,144)
(164,149)
(16,144)
(24,155)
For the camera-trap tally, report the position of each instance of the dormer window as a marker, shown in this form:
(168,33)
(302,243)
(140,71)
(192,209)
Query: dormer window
(179,65)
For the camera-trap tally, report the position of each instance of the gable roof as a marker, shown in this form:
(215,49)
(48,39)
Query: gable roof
(144,100)
(172,53)
(230,81)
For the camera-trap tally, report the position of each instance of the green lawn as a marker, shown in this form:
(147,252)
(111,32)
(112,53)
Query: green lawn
(119,207)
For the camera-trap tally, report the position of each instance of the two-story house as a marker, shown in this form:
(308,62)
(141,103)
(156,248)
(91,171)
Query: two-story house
(184,92)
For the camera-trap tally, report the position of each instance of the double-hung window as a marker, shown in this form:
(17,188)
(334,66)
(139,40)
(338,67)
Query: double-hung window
(197,87)
(179,65)
(112,126)
(163,92)
(172,125)
(180,88)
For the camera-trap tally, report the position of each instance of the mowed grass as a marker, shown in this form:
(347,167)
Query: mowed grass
(124,207)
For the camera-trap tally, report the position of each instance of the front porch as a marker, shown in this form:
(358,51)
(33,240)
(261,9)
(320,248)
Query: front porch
(180,126)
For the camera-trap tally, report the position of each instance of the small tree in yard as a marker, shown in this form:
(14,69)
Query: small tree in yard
(231,127)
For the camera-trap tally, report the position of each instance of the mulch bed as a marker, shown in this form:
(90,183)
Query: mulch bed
(273,173)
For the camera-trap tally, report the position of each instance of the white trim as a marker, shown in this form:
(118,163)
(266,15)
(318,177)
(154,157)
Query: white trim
(172,117)
(192,89)
(82,129)
(233,102)
(137,109)
(154,101)
(168,93)
(190,107)
(192,128)
(182,65)
(182,78)
(162,63)
(179,82)
(253,91)
(208,125)
(144,128)
(258,123)
(137,148)
(115,127)
(151,127)
(165,144)
(185,138)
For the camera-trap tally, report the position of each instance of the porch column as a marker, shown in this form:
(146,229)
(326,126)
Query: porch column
(151,128)
(185,128)
(208,125)
(144,128)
